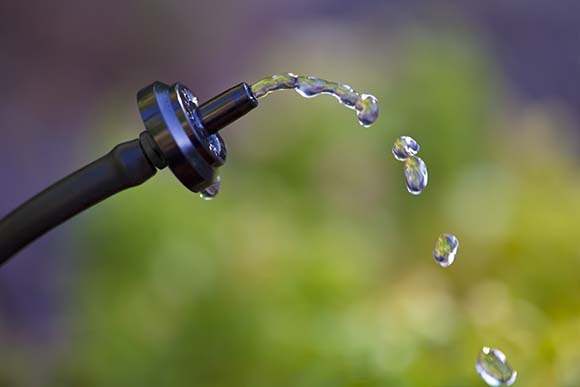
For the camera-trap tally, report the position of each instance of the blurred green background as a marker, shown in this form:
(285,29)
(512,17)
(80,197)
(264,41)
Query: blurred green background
(313,266)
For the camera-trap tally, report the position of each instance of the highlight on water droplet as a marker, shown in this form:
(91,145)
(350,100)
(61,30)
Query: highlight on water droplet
(211,192)
(493,368)
(446,247)
(367,110)
(416,175)
(365,105)
(405,147)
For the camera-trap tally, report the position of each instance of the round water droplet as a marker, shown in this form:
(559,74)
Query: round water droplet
(415,175)
(210,192)
(367,110)
(405,147)
(446,247)
(493,368)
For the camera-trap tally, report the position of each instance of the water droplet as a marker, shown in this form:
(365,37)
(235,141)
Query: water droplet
(367,108)
(446,247)
(365,105)
(415,175)
(405,147)
(276,82)
(309,87)
(210,192)
(346,95)
(493,368)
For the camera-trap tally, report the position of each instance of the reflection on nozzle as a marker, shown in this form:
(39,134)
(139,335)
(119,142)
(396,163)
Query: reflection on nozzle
(227,107)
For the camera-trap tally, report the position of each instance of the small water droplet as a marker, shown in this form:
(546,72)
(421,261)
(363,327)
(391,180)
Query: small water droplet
(367,110)
(446,247)
(493,368)
(210,192)
(405,147)
(416,175)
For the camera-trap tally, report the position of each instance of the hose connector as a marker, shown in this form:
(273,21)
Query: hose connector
(183,135)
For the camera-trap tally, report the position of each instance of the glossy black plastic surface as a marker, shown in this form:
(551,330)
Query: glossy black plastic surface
(168,115)
(125,166)
(226,107)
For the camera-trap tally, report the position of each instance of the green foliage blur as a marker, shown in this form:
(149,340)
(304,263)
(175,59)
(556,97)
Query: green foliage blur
(313,266)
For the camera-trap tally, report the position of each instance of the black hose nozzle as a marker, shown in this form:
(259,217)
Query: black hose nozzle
(178,134)
(183,135)
(225,108)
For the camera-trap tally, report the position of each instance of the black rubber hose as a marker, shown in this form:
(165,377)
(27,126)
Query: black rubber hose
(124,167)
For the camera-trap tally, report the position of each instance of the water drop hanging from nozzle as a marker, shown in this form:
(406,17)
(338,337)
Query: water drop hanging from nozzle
(211,192)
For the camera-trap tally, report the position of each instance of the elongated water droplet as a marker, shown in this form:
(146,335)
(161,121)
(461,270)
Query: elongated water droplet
(365,105)
(493,368)
(346,95)
(309,87)
(446,247)
(405,147)
(415,175)
(210,192)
